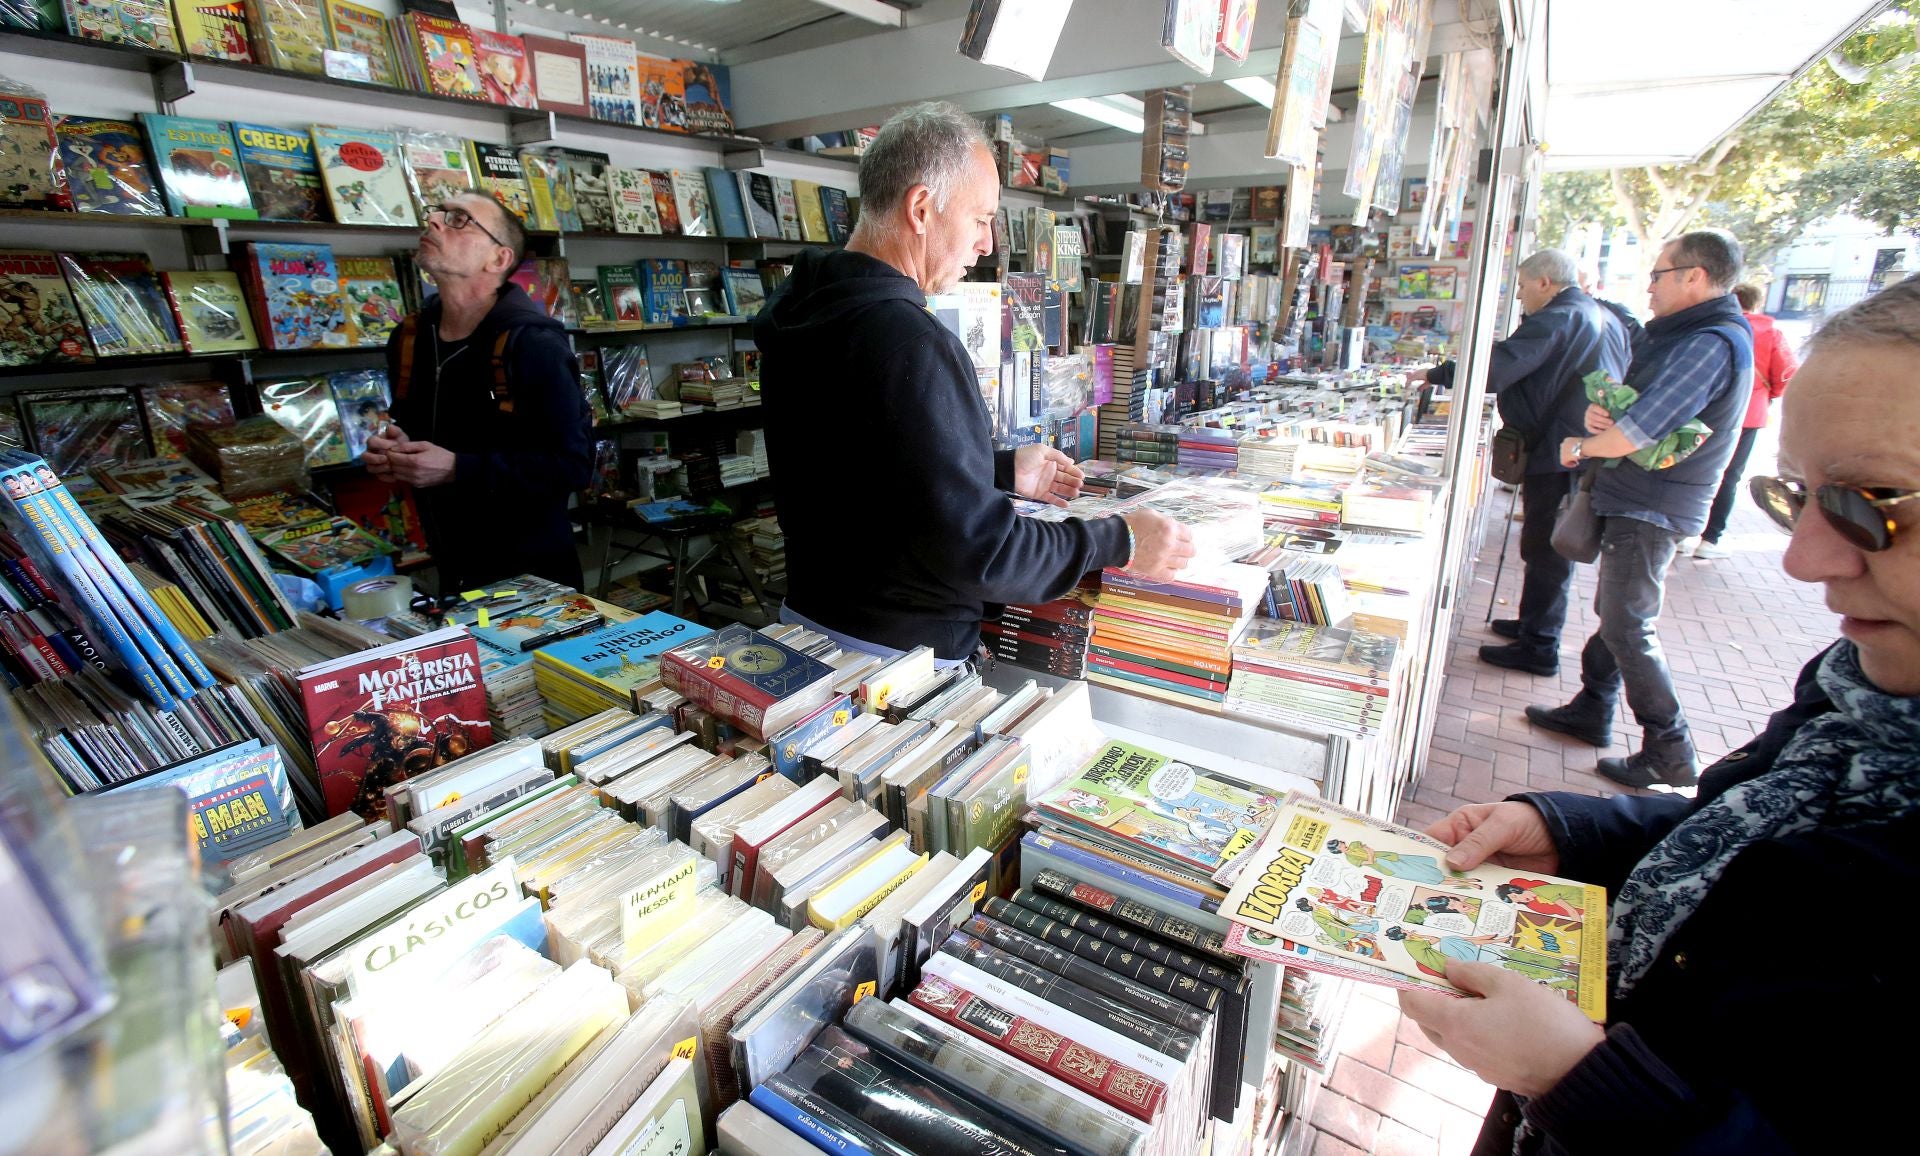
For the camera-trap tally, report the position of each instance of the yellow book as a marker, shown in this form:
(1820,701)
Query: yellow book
(537,171)
(859,890)
(215,30)
(813,217)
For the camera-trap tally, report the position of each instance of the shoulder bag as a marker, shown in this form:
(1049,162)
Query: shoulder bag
(1576,528)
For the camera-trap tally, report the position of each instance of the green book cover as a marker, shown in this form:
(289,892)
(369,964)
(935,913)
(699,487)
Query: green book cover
(1162,805)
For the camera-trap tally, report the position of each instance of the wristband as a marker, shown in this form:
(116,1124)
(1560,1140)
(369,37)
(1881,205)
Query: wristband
(1132,545)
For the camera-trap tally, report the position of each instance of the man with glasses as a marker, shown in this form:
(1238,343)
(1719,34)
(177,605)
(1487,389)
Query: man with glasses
(488,422)
(1695,360)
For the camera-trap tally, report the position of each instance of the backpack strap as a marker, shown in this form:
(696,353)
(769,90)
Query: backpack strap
(502,379)
(409,339)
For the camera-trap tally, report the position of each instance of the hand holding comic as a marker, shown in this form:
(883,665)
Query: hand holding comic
(1506,834)
(1516,1035)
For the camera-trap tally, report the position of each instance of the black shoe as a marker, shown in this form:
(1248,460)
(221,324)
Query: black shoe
(1514,656)
(1506,627)
(1581,719)
(1672,766)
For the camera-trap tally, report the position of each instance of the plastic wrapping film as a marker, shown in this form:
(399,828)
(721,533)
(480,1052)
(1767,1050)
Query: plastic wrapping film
(254,455)
(587,911)
(1066,385)
(712,911)
(305,407)
(437,168)
(480,1090)
(30,176)
(361,398)
(718,1021)
(626,377)
(106,167)
(174,406)
(122,302)
(76,430)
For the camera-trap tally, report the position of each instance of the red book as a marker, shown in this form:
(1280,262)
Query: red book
(756,683)
(1128,1089)
(380,715)
(777,820)
(664,202)
(1110,663)
(559,70)
(506,77)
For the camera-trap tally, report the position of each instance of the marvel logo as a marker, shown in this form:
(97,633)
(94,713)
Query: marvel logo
(334,685)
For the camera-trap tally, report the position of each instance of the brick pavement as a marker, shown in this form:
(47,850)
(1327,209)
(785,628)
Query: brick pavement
(1736,632)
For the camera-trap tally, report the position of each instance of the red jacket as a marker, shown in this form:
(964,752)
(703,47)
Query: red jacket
(1773,366)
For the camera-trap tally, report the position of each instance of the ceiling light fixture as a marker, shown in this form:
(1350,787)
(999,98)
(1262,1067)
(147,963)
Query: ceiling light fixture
(1122,111)
(1256,88)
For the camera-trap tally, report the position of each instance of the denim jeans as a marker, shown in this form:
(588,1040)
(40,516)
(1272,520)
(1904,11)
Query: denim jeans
(1546,576)
(1634,557)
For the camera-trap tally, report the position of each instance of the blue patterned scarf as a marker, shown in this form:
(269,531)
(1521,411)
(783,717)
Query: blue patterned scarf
(1852,766)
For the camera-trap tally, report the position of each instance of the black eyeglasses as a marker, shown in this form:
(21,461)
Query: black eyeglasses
(1854,511)
(459,218)
(1654,275)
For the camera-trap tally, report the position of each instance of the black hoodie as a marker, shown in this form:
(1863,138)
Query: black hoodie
(505,511)
(887,484)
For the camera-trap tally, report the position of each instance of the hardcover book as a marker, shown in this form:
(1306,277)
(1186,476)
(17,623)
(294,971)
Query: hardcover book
(296,293)
(500,174)
(282,173)
(662,287)
(813,214)
(620,292)
(43,324)
(758,683)
(621,659)
(134,22)
(613,78)
(663,200)
(839,217)
(124,305)
(437,167)
(211,310)
(357,28)
(691,204)
(789,208)
(107,169)
(707,97)
(506,76)
(445,53)
(213,29)
(662,88)
(559,71)
(199,167)
(289,34)
(365,178)
(631,192)
(761,205)
(730,211)
(588,174)
(370,292)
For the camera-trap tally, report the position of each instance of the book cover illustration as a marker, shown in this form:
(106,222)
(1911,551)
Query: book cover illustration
(124,306)
(107,168)
(1355,887)
(613,80)
(278,510)
(215,30)
(631,193)
(708,97)
(29,173)
(758,201)
(499,173)
(299,288)
(559,69)
(39,321)
(281,173)
(662,88)
(318,547)
(543,622)
(446,54)
(588,174)
(1162,805)
(695,209)
(663,287)
(813,213)
(664,203)
(362,398)
(76,430)
(237,804)
(290,34)
(839,214)
(545,280)
(620,294)
(539,172)
(377,720)
(559,173)
(198,164)
(789,208)
(134,22)
(1441,280)
(364,176)
(626,655)
(370,291)
(211,309)
(304,407)
(172,407)
(357,28)
(506,77)
(745,293)
(384,509)
(436,166)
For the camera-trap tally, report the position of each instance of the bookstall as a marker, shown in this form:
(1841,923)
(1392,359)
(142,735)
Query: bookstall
(632,868)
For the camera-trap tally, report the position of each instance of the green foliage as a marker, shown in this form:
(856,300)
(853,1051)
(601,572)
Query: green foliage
(1571,201)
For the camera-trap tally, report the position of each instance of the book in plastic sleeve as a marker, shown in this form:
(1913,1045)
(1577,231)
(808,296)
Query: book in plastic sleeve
(40,323)
(77,430)
(122,301)
(789,208)
(1163,806)
(365,178)
(106,163)
(214,29)
(587,177)
(358,28)
(539,172)
(445,52)
(173,406)
(198,163)
(692,205)
(370,291)
(361,397)
(631,194)
(319,548)
(497,170)
(282,173)
(296,291)
(384,509)
(29,151)
(613,78)
(289,34)
(559,174)
(665,202)
(137,23)
(437,167)
(662,88)
(545,280)
(505,74)
(304,406)
(708,98)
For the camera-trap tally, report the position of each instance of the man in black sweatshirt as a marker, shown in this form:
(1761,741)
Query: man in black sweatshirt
(892,498)
(489,425)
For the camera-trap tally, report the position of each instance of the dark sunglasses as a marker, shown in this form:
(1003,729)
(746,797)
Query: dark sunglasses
(1854,511)
(459,218)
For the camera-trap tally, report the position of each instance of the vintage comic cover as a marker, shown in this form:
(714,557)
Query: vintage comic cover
(39,322)
(357,28)
(282,173)
(499,173)
(370,291)
(446,50)
(107,169)
(362,398)
(121,298)
(198,165)
(1162,806)
(437,167)
(305,407)
(174,406)
(505,75)
(1357,888)
(214,30)
(299,302)
(364,176)
(29,173)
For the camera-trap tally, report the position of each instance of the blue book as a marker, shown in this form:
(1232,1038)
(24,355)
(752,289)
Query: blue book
(786,747)
(1071,860)
(663,290)
(839,214)
(618,660)
(781,1099)
(198,163)
(730,212)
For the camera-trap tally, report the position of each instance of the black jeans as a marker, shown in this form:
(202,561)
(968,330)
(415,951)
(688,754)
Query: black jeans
(1547,576)
(1729,488)
(1625,651)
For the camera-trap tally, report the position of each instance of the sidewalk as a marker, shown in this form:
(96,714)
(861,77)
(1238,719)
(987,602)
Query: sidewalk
(1736,632)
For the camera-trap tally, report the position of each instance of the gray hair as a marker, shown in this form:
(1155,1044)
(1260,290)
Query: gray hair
(1717,253)
(927,144)
(1554,265)
(1889,317)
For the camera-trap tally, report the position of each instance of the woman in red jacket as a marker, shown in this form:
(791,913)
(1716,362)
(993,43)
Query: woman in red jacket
(1773,366)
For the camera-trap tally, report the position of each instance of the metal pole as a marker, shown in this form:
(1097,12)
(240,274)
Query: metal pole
(1500,567)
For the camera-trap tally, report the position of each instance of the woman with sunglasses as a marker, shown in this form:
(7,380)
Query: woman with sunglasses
(1732,1026)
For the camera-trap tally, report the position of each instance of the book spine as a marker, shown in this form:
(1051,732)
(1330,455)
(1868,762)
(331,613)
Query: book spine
(1064,993)
(1085,972)
(1128,1089)
(1079,858)
(1124,938)
(780,1099)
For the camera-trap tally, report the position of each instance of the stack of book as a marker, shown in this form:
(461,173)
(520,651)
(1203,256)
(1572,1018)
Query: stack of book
(1321,677)
(1206,448)
(1048,636)
(766,547)
(213,560)
(721,393)
(1302,503)
(1155,445)
(612,667)
(1308,589)
(1173,640)
(1267,457)
(1385,500)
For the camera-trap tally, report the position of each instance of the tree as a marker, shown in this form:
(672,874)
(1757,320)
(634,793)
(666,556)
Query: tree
(1570,202)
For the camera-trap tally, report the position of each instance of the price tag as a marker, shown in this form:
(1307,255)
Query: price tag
(979,892)
(484,619)
(717,662)
(840,717)
(863,991)
(685,1049)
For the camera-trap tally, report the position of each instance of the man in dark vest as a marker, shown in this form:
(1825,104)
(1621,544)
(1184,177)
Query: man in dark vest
(1695,360)
(1536,373)
(489,426)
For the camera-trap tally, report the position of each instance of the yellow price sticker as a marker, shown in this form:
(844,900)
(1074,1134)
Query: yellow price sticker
(880,704)
(716,662)
(840,717)
(1020,775)
(863,991)
(685,1049)
(484,619)
(979,892)
(472,595)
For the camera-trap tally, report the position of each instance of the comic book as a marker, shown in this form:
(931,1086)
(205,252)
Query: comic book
(290,34)
(631,192)
(365,178)
(39,322)
(215,30)
(278,510)
(304,406)
(174,406)
(317,547)
(362,398)
(281,173)
(198,165)
(141,23)
(436,166)
(125,308)
(498,171)
(1357,888)
(211,309)
(693,207)
(295,292)
(545,280)
(613,80)
(384,509)
(370,291)
(76,430)
(107,168)
(662,85)
(29,173)
(357,28)
(505,75)
(444,49)
(538,172)
(1159,807)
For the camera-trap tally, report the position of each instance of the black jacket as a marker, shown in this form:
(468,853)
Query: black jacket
(1776,1017)
(1628,322)
(884,474)
(1536,372)
(505,511)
